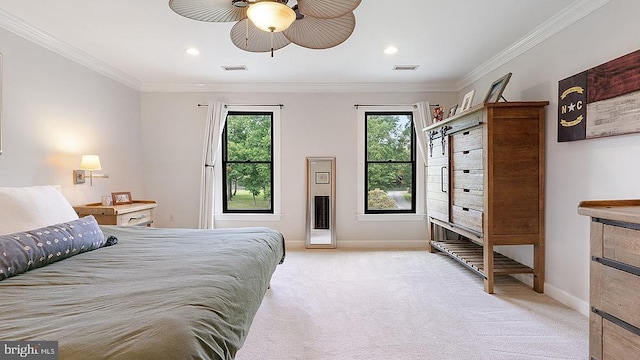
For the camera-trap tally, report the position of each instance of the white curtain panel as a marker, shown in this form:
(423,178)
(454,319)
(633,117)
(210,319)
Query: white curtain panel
(422,120)
(216,118)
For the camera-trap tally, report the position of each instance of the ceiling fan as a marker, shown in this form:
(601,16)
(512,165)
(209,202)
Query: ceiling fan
(268,25)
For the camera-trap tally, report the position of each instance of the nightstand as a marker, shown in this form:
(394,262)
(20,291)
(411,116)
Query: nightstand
(138,213)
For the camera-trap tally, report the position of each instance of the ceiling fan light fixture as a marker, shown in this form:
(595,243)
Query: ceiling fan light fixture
(240,3)
(271,16)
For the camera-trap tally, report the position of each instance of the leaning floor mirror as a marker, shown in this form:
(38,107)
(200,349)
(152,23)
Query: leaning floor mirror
(321,204)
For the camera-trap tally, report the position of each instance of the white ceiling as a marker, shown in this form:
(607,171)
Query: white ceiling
(142,43)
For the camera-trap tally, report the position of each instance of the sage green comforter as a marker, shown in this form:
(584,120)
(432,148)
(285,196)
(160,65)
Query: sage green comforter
(156,294)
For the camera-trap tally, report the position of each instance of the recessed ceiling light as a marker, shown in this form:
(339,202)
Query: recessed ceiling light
(391,50)
(193,51)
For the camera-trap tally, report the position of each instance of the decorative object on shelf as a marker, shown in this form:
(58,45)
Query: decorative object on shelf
(438,113)
(268,25)
(609,94)
(468,98)
(91,163)
(106,200)
(453,110)
(120,198)
(497,87)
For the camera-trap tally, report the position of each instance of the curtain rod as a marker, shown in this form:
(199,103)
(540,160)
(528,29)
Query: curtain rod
(278,105)
(414,105)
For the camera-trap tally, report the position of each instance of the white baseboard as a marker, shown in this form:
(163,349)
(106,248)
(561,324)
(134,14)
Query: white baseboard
(559,295)
(294,244)
(367,244)
(384,244)
(567,299)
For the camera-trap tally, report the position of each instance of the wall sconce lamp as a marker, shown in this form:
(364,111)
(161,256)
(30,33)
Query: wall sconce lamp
(91,163)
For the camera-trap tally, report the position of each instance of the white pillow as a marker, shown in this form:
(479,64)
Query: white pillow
(27,208)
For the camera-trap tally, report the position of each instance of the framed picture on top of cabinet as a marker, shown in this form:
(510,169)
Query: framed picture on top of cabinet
(468,98)
(453,110)
(119,198)
(497,87)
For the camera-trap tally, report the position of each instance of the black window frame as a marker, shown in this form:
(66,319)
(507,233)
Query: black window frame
(389,161)
(226,162)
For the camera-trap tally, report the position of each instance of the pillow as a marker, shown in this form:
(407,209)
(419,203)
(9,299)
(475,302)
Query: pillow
(24,208)
(32,249)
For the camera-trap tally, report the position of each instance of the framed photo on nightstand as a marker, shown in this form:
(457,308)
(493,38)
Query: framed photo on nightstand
(119,198)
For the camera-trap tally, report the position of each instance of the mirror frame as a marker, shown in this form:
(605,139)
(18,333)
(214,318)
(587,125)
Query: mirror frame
(311,179)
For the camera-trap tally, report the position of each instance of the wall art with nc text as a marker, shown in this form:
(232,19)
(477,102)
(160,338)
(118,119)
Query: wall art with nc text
(601,101)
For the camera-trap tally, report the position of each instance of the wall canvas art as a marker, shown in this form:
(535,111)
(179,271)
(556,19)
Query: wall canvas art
(601,101)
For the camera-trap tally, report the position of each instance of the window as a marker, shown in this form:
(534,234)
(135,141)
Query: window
(247,162)
(390,166)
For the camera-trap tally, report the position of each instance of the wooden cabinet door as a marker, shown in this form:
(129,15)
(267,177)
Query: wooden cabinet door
(438,175)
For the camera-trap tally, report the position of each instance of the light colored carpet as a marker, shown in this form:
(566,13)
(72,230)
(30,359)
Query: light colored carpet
(348,305)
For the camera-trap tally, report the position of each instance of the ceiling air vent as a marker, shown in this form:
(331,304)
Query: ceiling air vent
(235,68)
(405,67)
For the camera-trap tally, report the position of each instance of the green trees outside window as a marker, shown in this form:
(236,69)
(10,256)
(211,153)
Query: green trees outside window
(247,157)
(390,162)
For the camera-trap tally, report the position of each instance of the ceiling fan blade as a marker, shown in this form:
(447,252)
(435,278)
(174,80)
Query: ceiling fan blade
(257,40)
(315,33)
(208,10)
(327,9)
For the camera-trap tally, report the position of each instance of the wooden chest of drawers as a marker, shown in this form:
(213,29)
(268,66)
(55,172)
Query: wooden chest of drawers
(614,321)
(139,213)
(485,182)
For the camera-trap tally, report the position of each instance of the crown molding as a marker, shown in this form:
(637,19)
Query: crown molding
(298,87)
(574,12)
(19,27)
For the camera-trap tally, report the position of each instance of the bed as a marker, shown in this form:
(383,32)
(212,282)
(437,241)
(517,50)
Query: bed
(154,294)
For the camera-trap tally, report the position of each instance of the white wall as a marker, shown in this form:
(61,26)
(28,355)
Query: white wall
(604,168)
(55,110)
(312,125)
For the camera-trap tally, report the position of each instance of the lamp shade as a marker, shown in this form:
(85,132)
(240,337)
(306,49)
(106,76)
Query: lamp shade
(90,162)
(271,16)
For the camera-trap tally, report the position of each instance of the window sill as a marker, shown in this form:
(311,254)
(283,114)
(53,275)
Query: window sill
(391,217)
(248,217)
